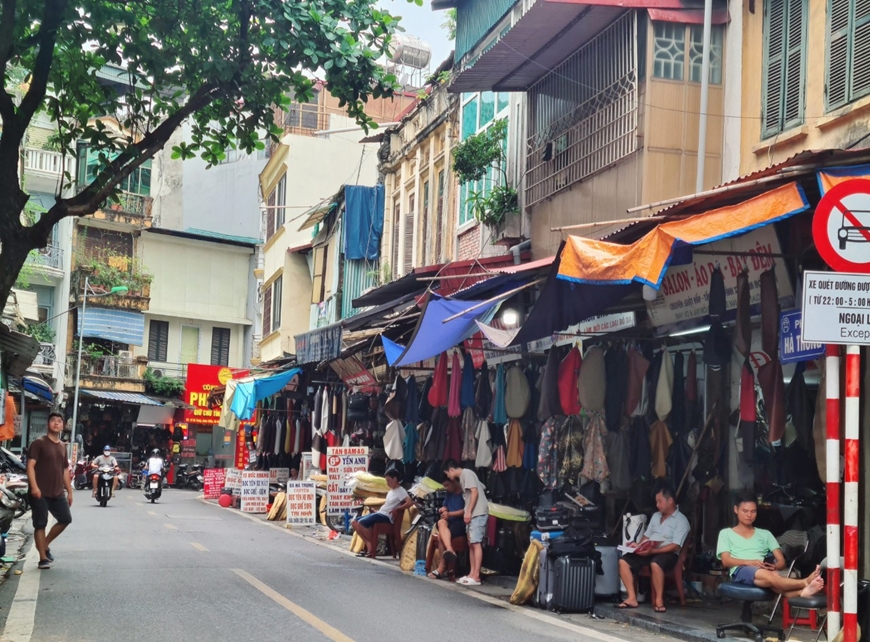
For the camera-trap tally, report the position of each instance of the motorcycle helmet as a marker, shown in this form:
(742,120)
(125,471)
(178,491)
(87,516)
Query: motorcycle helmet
(107,448)
(155,452)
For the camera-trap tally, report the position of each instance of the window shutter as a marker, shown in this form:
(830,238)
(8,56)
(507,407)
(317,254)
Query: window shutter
(774,46)
(394,254)
(277,298)
(267,312)
(861,55)
(158,339)
(439,217)
(425,233)
(837,73)
(220,347)
(270,215)
(408,254)
(793,99)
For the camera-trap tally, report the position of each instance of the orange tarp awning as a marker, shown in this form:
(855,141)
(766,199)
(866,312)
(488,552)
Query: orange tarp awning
(646,260)
(836,175)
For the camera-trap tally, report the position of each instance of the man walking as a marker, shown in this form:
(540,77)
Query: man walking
(48,475)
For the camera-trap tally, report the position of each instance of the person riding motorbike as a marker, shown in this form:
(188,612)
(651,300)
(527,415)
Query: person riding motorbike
(155,463)
(106,459)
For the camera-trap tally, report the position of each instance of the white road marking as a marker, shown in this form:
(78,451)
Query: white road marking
(199,547)
(171,527)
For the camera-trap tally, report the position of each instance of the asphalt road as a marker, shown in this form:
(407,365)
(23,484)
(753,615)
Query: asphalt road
(181,569)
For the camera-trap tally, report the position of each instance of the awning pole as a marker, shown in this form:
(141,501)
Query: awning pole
(705,91)
(494,299)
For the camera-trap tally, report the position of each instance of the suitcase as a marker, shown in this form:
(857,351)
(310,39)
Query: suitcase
(607,585)
(573,584)
(424,531)
(545,589)
(552,518)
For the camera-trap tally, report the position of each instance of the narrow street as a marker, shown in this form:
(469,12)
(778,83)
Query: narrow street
(180,569)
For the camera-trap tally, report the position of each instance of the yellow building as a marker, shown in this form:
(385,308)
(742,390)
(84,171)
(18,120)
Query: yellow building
(806,78)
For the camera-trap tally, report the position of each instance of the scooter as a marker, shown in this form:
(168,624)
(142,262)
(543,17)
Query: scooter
(105,481)
(13,500)
(153,486)
(83,474)
(187,476)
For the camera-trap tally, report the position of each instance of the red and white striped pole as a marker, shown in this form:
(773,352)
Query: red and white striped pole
(832,477)
(850,495)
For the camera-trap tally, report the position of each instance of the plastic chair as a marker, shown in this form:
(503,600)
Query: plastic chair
(393,533)
(676,573)
(794,540)
(747,595)
(813,605)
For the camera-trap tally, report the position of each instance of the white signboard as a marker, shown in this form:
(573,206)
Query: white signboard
(301,503)
(306,466)
(684,294)
(836,308)
(233,478)
(255,491)
(340,464)
(279,475)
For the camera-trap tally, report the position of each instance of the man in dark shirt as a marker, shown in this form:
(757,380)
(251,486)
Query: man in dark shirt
(48,475)
(450,526)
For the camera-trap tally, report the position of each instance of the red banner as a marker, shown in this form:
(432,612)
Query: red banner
(213,481)
(201,380)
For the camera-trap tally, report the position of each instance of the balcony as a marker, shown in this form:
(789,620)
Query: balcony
(45,359)
(44,169)
(121,373)
(128,209)
(49,257)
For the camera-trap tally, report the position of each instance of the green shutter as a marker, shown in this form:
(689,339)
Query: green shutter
(837,60)
(793,98)
(861,50)
(774,49)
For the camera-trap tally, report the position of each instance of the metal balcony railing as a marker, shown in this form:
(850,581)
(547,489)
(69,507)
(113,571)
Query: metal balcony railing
(51,256)
(105,366)
(46,356)
(130,203)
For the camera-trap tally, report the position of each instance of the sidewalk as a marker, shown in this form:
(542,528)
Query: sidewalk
(694,623)
(19,536)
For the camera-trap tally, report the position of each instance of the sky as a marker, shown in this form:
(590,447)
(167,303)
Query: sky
(424,23)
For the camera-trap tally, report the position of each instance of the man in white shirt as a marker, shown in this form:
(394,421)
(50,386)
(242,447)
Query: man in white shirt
(397,499)
(476,516)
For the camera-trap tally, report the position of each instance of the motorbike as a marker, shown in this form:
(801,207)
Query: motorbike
(187,476)
(83,474)
(153,486)
(105,481)
(13,500)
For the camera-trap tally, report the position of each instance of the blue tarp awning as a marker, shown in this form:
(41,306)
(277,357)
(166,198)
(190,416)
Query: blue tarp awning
(432,336)
(125,397)
(251,389)
(363,221)
(120,326)
(38,387)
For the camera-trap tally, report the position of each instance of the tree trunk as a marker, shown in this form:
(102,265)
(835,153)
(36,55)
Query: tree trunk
(15,242)
(12,258)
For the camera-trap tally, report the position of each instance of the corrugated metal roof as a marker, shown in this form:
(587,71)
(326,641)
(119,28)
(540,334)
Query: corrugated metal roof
(125,397)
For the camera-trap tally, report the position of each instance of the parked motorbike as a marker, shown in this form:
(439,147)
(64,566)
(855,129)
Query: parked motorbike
(189,476)
(83,474)
(11,463)
(153,484)
(13,500)
(105,481)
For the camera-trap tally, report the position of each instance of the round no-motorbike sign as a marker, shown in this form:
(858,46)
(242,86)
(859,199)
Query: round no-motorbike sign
(841,226)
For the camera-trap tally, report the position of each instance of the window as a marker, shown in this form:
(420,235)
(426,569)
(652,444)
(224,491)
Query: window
(304,116)
(89,166)
(318,278)
(397,221)
(847,59)
(785,28)
(267,312)
(408,249)
(158,340)
(424,225)
(696,53)
(487,108)
(670,50)
(469,118)
(189,344)
(220,346)
(277,299)
(439,217)
(275,208)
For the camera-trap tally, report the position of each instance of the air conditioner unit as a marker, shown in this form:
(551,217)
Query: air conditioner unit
(125,354)
(157,372)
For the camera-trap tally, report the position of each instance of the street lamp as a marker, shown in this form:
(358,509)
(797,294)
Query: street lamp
(120,289)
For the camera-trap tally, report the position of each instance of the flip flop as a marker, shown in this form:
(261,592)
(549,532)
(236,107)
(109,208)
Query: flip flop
(435,575)
(660,609)
(626,605)
(467,581)
(362,554)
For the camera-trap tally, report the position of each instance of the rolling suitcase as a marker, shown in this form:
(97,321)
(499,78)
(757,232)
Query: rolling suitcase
(573,585)
(545,589)
(424,531)
(607,585)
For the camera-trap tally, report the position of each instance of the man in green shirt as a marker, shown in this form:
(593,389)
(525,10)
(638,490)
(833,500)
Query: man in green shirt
(747,551)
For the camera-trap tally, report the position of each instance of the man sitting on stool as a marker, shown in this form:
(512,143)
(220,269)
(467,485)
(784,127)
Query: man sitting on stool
(668,528)
(450,526)
(397,498)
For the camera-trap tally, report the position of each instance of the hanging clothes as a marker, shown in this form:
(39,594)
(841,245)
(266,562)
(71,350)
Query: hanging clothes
(499,412)
(531,414)
(568,380)
(453,407)
(453,446)
(499,464)
(517,394)
(317,410)
(484,445)
(594,460)
(550,404)
(424,408)
(436,442)
(394,440)
(422,435)
(593,380)
(660,441)
(694,415)
(469,428)
(571,451)
(770,374)
(619,459)
(466,396)
(635,387)
(665,387)
(801,409)
(678,397)
(548,452)
(639,452)
(483,393)
(412,402)
(514,457)
(530,447)
(438,391)
(616,373)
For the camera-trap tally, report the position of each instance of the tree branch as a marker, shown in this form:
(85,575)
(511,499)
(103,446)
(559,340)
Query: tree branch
(7,36)
(52,17)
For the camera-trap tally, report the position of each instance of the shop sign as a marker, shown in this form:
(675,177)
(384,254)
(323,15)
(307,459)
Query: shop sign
(791,347)
(255,491)
(306,466)
(685,289)
(279,475)
(213,481)
(836,308)
(341,463)
(319,345)
(18,422)
(301,503)
(597,325)
(355,374)
(242,454)
(841,226)
(188,447)
(201,380)
(233,478)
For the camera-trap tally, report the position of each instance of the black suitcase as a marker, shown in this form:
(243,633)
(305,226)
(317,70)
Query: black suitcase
(552,518)
(573,585)
(424,531)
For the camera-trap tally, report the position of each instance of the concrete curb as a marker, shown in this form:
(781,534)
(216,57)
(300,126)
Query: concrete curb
(672,629)
(20,536)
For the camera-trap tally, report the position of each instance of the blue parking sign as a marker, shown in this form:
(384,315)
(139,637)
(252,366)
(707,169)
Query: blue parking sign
(791,347)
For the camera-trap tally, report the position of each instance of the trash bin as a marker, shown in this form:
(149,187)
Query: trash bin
(864,609)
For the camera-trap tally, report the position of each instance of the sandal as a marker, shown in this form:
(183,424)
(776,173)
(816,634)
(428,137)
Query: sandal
(467,581)
(626,605)
(362,554)
(660,609)
(435,575)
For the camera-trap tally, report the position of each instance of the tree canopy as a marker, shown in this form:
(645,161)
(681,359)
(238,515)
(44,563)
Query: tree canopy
(220,65)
